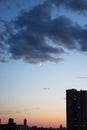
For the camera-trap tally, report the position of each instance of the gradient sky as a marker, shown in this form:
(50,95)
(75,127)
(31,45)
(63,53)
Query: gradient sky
(43,52)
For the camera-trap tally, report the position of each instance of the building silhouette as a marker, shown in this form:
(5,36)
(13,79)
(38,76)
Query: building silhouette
(13,126)
(76,109)
(25,122)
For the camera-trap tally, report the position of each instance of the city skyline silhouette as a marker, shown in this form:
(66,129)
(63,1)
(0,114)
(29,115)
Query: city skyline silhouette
(43,52)
(76,114)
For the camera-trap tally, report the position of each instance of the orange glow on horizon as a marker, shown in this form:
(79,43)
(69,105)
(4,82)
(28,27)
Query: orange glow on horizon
(41,123)
(44,117)
(38,121)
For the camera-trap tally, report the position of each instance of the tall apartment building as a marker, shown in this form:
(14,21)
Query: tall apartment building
(76,109)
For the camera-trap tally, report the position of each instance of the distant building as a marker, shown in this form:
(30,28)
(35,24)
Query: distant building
(76,109)
(25,122)
(11,121)
(12,125)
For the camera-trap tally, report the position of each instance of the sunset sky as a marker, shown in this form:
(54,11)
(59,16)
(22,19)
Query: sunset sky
(43,52)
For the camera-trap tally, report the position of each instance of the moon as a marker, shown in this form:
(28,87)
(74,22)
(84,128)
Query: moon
(40,64)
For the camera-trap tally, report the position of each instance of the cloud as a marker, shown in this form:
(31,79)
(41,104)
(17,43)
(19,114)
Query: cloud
(74,5)
(8,112)
(46,88)
(34,36)
(83,77)
(31,109)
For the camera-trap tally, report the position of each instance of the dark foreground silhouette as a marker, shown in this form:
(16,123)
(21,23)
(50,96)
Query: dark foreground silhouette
(13,126)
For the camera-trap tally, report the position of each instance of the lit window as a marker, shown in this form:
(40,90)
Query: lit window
(83,125)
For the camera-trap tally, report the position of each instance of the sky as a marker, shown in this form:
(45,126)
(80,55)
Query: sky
(43,52)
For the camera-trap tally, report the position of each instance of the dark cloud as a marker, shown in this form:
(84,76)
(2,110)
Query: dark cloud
(75,5)
(35,36)
(78,5)
(29,42)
